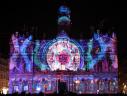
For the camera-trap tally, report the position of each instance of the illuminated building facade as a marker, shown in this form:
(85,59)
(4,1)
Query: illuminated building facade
(84,66)
(4,77)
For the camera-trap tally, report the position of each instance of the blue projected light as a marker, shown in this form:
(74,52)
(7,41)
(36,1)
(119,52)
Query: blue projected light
(103,47)
(39,58)
(24,53)
(64,10)
(64,19)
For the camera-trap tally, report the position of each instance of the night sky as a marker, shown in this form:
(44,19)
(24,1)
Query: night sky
(44,15)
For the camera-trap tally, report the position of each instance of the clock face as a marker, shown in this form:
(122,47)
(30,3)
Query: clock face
(63,55)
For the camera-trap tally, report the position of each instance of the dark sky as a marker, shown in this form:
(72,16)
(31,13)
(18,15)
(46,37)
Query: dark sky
(44,15)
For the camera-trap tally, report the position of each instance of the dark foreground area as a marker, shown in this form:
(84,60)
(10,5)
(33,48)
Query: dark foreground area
(61,94)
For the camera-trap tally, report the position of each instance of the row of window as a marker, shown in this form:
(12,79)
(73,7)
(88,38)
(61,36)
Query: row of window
(3,84)
(3,68)
(4,75)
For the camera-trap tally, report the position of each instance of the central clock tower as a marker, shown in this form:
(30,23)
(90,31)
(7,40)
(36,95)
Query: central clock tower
(64,53)
(64,19)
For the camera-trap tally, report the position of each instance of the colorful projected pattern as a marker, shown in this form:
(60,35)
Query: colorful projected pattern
(63,53)
(39,55)
(20,46)
(97,49)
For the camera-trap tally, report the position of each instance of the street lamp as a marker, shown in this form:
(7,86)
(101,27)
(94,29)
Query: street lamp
(5,90)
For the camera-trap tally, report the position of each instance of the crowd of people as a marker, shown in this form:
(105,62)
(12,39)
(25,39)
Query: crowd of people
(60,94)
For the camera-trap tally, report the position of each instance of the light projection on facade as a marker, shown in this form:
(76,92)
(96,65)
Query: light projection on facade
(85,66)
(20,50)
(64,54)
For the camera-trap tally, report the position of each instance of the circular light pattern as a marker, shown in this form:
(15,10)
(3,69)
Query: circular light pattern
(63,55)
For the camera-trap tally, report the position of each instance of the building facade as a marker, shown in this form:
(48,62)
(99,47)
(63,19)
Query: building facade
(4,75)
(83,66)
